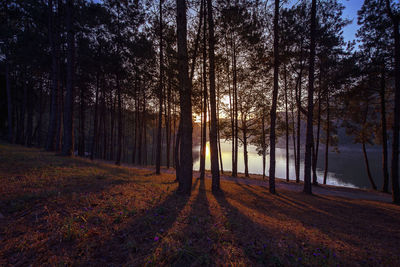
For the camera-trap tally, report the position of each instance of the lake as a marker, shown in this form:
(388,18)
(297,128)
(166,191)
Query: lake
(346,168)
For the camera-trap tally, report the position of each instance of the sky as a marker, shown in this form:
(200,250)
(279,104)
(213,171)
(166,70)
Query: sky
(350,12)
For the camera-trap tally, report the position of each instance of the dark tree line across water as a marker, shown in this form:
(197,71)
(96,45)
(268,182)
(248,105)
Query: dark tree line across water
(128,81)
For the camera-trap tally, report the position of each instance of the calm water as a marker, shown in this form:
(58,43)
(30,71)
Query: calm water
(346,168)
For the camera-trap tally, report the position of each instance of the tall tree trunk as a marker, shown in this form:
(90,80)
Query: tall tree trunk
(231,111)
(213,105)
(51,132)
(299,95)
(235,111)
(81,144)
(218,129)
(293,126)
(396,122)
(153,142)
(119,136)
(9,103)
(204,102)
(140,137)
(298,156)
(29,123)
(160,93)
(61,82)
(10,136)
(177,149)
(197,41)
(272,136)
(328,129)
(287,124)
(21,132)
(38,130)
(112,120)
(104,115)
(60,113)
(309,134)
(263,143)
(168,122)
(245,152)
(384,132)
(201,80)
(95,124)
(174,134)
(144,123)
(136,122)
(316,147)
(185,89)
(367,166)
(68,144)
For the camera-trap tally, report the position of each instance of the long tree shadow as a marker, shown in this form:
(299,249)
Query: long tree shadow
(257,241)
(333,223)
(249,190)
(137,241)
(191,245)
(75,182)
(118,234)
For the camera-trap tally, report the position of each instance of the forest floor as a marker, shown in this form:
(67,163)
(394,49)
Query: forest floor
(256,179)
(71,211)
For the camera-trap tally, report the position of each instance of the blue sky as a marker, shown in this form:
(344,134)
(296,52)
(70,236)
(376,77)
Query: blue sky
(350,12)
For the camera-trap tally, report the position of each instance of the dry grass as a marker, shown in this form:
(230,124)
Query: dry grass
(61,211)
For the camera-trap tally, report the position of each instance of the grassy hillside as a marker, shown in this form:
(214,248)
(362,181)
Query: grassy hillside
(70,211)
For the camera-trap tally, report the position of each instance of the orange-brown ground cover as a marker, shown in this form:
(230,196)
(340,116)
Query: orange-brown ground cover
(62,211)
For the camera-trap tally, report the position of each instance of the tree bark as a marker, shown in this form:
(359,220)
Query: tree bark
(38,130)
(299,93)
(60,112)
(218,129)
(197,41)
(371,180)
(51,132)
(263,143)
(81,144)
(204,102)
(235,111)
(177,149)
(272,136)
(10,136)
(104,115)
(309,135)
(168,122)
(185,89)
(160,95)
(144,130)
(68,144)
(29,122)
(328,124)
(287,125)
(21,131)
(316,147)
(245,152)
(119,136)
(9,103)
(396,122)
(293,126)
(95,123)
(213,106)
(137,125)
(385,187)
